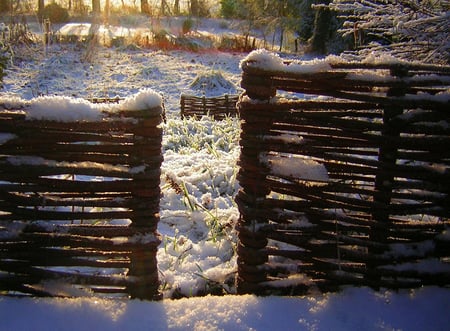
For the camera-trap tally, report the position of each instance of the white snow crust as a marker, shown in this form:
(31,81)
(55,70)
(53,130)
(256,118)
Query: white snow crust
(295,166)
(270,61)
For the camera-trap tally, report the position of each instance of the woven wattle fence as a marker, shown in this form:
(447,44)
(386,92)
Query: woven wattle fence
(349,188)
(216,107)
(79,199)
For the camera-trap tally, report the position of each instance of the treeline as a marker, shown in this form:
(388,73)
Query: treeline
(298,25)
(408,29)
(312,22)
(148,7)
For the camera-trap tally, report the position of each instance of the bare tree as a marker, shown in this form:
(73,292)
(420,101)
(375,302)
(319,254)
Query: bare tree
(165,9)
(40,11)
(96,6)
(176,7)
(194,8)
(75,5)
(107,10)
(145,8)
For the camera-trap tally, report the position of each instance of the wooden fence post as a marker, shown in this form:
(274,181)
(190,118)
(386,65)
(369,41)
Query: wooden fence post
(146,196)
(252,175)
(182,105)
(387,157)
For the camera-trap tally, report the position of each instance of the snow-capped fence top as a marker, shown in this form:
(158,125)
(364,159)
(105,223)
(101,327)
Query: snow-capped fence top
(79,196)
(67,109)
(345,174)
(339,78)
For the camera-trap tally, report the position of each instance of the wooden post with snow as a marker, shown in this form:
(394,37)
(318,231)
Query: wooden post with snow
(146,199)
(344,175)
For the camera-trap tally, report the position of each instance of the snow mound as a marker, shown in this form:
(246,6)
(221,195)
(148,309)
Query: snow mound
(75,29)
(212,83)
(145,99)
(62,109)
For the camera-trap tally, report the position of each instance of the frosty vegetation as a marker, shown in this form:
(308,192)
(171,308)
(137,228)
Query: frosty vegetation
(406,29)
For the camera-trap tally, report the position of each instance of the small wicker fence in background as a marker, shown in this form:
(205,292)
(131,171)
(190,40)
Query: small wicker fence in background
(351,188)
(217,107)
(79,205)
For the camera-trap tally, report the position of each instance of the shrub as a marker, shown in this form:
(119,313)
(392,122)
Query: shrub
(188,23)
(200,8)
(163,39)
(55,13)
(228,8)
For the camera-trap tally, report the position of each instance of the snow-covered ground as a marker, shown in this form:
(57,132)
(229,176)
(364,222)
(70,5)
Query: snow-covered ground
(353,309)
(197,227)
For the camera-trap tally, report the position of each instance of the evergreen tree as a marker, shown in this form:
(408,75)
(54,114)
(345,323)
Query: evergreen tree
(310,20)
(325,39)
(305,24)
(229,8)
(320,33)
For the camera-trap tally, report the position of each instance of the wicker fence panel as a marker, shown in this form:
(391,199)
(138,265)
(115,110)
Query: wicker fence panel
(348,189)
(79,205)
(217,107)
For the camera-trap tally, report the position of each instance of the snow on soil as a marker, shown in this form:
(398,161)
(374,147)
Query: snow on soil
(197,227)
(66,71)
